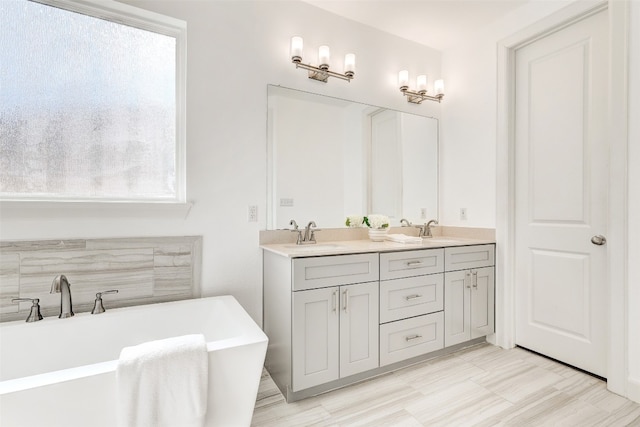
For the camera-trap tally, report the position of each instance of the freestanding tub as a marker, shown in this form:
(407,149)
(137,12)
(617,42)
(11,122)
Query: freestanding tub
(62,372)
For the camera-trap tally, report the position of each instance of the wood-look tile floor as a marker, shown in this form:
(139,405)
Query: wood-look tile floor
(479,386)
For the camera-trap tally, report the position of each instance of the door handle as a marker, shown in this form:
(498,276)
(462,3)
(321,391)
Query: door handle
(345,295)
(467,279)
(334,298)
(599,240)
(475,279)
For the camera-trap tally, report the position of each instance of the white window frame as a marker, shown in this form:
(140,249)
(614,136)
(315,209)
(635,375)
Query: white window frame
(146,20)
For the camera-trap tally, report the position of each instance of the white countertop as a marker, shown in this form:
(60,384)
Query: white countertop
(341,247)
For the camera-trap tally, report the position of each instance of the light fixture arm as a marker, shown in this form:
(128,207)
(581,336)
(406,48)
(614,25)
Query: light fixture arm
(418,97)
(321,73)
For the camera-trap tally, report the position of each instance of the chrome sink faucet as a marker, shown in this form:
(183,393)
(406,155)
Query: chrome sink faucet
(404,223)
(296,230)
(62,286)
(425,230)
(428,227)
(309,237)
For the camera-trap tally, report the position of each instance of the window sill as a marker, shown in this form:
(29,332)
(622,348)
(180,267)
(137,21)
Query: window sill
(84,209)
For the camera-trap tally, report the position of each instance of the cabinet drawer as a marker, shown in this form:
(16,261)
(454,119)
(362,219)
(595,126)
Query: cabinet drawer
(413,296)
(463,257)
(408,338)
(396,265)
(322,272)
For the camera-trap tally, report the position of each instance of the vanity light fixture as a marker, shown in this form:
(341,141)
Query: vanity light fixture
(419,95)
(322,72)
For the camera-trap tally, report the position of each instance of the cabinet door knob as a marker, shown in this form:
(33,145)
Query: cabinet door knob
(599,240)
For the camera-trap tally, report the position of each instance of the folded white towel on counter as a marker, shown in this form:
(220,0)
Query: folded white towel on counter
(163,383)
(403,238)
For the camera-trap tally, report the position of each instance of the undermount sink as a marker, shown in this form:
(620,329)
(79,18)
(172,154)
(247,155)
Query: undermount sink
(437,240)
(313,248)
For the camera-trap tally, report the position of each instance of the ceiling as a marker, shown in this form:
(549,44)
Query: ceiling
(439,24)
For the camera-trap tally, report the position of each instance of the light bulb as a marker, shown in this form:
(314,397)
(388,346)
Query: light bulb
(349,64)
(438,87)
(403,79)
(324,56)
(296,48)
(421,83)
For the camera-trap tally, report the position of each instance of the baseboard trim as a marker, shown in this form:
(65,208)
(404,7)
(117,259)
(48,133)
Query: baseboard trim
(633,389)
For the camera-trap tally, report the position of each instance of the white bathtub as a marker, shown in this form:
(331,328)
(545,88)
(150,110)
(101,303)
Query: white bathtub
(61,372)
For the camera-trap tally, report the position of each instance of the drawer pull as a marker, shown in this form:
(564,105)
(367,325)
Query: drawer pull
(414,296)
(475,279)
(334,298)
(413,263)
(413,337)
(467,280)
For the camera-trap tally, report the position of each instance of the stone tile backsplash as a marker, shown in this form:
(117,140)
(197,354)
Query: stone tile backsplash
(144,270)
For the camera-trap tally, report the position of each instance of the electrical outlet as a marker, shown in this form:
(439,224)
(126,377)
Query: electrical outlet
(423,213)
(463,214)
(252,213)
(286,202)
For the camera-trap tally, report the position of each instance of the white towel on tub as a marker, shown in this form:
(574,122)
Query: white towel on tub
(163,383)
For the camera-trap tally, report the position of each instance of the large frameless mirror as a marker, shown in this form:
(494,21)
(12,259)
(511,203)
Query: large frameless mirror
(329,158)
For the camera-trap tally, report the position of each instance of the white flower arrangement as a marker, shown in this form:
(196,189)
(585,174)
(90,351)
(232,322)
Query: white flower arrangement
(374,221)
(354,221)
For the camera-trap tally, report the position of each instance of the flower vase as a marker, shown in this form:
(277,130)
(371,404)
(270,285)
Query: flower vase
(378,234)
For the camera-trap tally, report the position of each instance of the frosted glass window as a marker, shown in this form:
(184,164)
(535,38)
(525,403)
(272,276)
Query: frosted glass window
(87,107)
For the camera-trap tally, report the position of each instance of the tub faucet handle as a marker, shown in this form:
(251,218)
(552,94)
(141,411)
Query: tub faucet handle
(98,307)
(34,314)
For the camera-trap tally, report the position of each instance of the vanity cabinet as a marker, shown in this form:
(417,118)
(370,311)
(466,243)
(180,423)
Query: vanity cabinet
(411,304)
(469,285)
(335,333)
(321,317)
(333,320)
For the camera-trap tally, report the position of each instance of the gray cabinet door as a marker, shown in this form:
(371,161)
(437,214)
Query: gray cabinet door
(358,328)
(315,341)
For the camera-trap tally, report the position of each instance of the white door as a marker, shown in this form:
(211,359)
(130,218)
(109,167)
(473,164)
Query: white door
(561,201)
(358,328)
(315,337)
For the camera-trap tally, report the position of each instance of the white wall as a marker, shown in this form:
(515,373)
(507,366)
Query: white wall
(468,130)
(236,48)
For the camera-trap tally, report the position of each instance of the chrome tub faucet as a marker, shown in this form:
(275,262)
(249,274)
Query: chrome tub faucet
(62,286)
(34,314)
(98,307)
